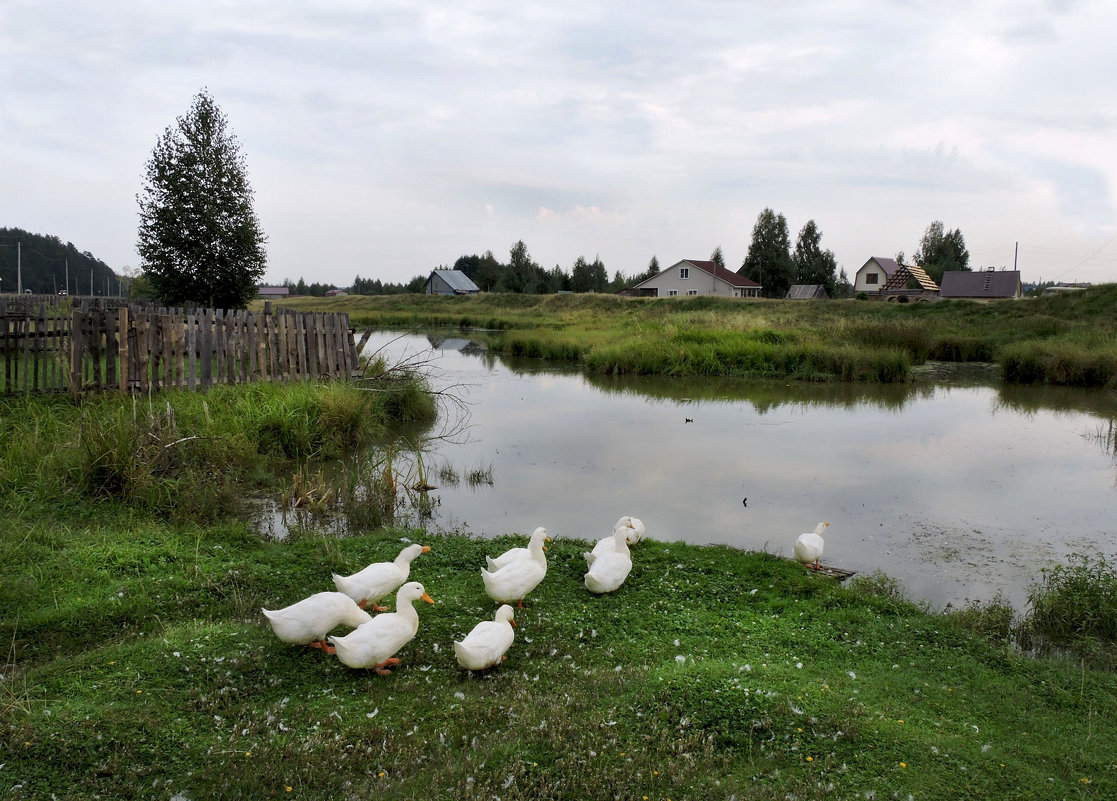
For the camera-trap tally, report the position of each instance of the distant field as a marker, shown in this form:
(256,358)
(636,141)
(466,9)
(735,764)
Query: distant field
(1062,340)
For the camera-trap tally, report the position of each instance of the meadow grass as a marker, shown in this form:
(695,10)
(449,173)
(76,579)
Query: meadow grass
(137,663)
(1060,340)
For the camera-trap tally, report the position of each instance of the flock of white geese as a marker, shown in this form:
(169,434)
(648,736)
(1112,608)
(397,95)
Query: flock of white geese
(508,578)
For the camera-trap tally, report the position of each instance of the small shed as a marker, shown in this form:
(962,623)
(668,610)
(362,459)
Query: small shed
(450,282)
(335,293)
(807,292)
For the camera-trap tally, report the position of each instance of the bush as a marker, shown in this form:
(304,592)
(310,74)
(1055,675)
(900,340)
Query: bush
(1074,609)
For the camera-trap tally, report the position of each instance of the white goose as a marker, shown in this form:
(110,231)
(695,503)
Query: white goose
(485,645)
(519,577)
(379,578)
(372,644)
(308,621)
(634,532)
(513,554)
(808,548)
(609,569)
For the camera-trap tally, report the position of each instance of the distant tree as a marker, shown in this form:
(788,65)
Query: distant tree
(941,250)
(717,258)
(557,280)
(769,259)
(199,239)
(580,279)
(812,264)
(653,267)
(523,274)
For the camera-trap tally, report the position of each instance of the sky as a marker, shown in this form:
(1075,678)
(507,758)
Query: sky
(385,139)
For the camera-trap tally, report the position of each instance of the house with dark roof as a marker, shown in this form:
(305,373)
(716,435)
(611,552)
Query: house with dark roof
(984,285)
(449,282)
(874,274)
(694,277)
(807,292)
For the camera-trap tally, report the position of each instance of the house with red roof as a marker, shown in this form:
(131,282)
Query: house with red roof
(694,277)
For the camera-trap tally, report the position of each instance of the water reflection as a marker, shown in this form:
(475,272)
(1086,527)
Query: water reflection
(961,490)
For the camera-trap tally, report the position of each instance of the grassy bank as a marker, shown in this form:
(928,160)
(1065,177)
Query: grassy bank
(137,664)
(1066,340)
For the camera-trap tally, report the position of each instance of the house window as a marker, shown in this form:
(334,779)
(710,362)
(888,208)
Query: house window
(871,278)
(684,272)
(672,292)
(692,292)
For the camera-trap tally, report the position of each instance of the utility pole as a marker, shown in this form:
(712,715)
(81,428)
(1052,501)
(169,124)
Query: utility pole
(1015,255)
(19,267)
(67,275)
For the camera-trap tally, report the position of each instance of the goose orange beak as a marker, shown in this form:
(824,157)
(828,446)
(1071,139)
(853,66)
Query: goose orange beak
(427,598)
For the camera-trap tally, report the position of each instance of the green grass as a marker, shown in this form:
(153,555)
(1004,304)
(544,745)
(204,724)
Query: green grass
(1061,340)
(137,664)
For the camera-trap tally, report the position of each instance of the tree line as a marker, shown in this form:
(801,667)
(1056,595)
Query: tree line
(44,264)
(200,242)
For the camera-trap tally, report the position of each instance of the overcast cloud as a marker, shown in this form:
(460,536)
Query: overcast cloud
(384,139)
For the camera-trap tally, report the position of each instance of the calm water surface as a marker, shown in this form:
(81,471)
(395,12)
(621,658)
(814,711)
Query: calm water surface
(959,491)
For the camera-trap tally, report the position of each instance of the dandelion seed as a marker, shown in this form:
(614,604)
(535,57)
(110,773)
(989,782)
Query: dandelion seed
(852,675)
(680,658)
(985,749)
(799,665)
(459,695)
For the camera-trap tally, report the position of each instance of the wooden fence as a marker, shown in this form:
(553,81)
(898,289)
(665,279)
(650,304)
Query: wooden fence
(62,347)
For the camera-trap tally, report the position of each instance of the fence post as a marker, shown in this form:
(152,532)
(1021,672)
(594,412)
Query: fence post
(122,347)
(75,352)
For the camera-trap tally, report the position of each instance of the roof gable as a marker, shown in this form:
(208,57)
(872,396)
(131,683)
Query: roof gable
(716,270)
(456,280)
(903,276)
(887,266)
(807,292)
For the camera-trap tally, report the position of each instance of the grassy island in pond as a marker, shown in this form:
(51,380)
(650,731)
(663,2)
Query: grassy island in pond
(138,664)
(1066,339)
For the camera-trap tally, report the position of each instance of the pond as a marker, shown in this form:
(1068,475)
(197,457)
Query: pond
(961,489)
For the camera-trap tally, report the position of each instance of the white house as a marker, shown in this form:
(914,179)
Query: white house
(873,274)
(692,277)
